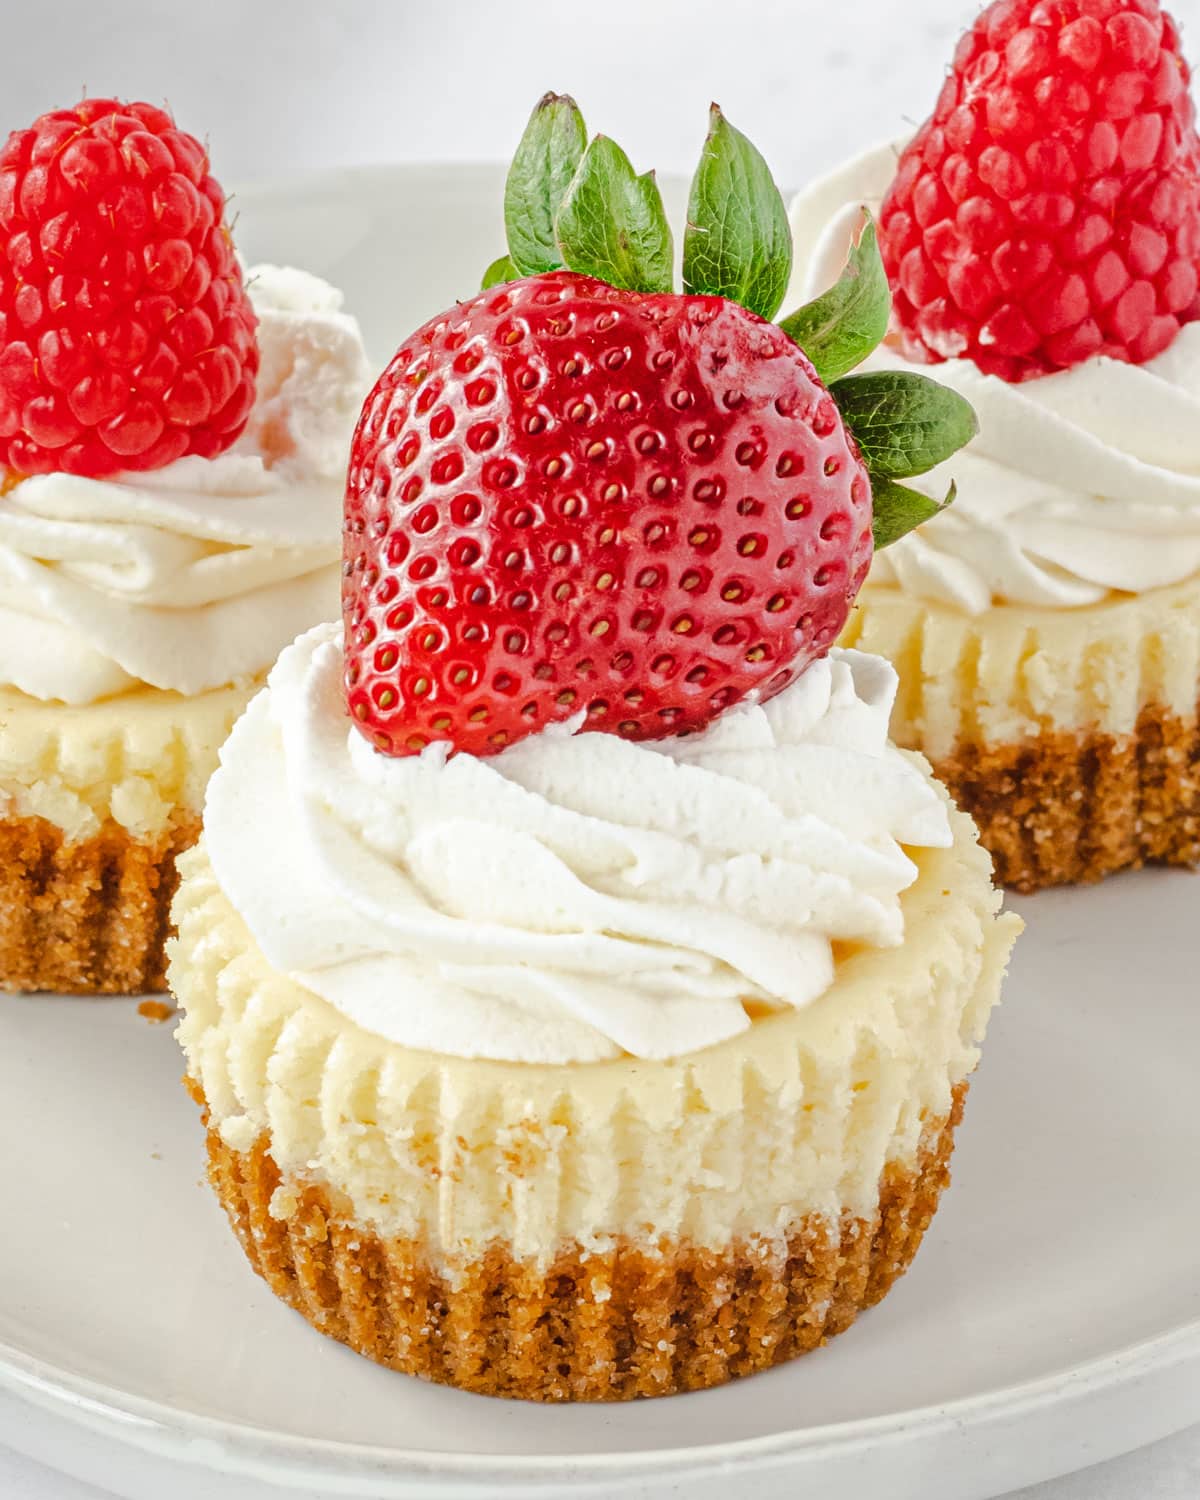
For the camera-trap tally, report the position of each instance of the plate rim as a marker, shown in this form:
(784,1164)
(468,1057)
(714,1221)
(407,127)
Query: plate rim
(291,1460)
(149,1424)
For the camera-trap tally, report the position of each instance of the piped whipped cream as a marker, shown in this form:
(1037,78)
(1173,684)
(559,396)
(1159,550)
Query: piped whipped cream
(1080,484)
(194,576)
(575,897)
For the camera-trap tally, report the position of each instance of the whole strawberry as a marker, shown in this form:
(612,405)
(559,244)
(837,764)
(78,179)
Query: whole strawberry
(584,493)
(126,336)
(1049,210)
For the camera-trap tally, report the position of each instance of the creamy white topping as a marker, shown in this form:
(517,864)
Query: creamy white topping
(576,896)
(1079,484)
(194,576)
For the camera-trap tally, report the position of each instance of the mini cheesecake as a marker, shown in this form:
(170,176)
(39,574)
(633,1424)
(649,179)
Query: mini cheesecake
(601,1231)
(1046,626)
(580,988)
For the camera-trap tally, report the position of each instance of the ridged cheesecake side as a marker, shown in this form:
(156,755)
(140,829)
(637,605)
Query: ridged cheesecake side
(1072,737)
(636,1319)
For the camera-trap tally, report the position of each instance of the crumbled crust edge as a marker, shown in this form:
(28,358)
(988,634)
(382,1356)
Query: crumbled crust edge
(90,917)
(1069,808)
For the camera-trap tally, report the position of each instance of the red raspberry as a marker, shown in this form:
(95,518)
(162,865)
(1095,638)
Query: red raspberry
(567,497)
(1050,208)
(126,336)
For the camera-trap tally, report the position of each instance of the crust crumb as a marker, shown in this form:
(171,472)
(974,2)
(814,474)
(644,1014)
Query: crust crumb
(156,1011)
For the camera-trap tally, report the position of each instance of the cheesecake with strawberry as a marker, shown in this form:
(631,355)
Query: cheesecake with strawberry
(1042,235)
(172,449)
(580,988)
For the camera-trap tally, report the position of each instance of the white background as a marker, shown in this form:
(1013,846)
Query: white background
(282,86)
(279,85)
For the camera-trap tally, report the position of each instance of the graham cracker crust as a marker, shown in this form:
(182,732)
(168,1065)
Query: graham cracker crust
(592,1326)
(86,918)
(1068,808)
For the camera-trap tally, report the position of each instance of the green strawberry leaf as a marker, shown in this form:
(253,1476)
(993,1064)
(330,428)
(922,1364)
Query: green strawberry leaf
(897,510)
(612,224)
(500,270)
(546,159)
(738,243)
(904,423)
(840,328)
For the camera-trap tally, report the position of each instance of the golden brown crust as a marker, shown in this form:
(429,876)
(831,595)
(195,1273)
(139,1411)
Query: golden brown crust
(1068,808)
(87,918)
(593,1326)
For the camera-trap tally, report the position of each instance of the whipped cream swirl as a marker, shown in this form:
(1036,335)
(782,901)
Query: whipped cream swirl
(1080,484)
(193,576)
(575,897)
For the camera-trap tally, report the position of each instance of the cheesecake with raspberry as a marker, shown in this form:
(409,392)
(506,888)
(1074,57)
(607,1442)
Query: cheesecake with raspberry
(1042,235)
(172,443)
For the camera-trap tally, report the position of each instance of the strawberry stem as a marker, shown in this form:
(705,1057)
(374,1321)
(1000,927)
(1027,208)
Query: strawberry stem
(500,270)
(904,423)
(843,325)
(738,243)
(612,224)
(896,510)
(542,168)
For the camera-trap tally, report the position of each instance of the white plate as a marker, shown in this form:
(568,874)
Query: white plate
(1052,1319)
